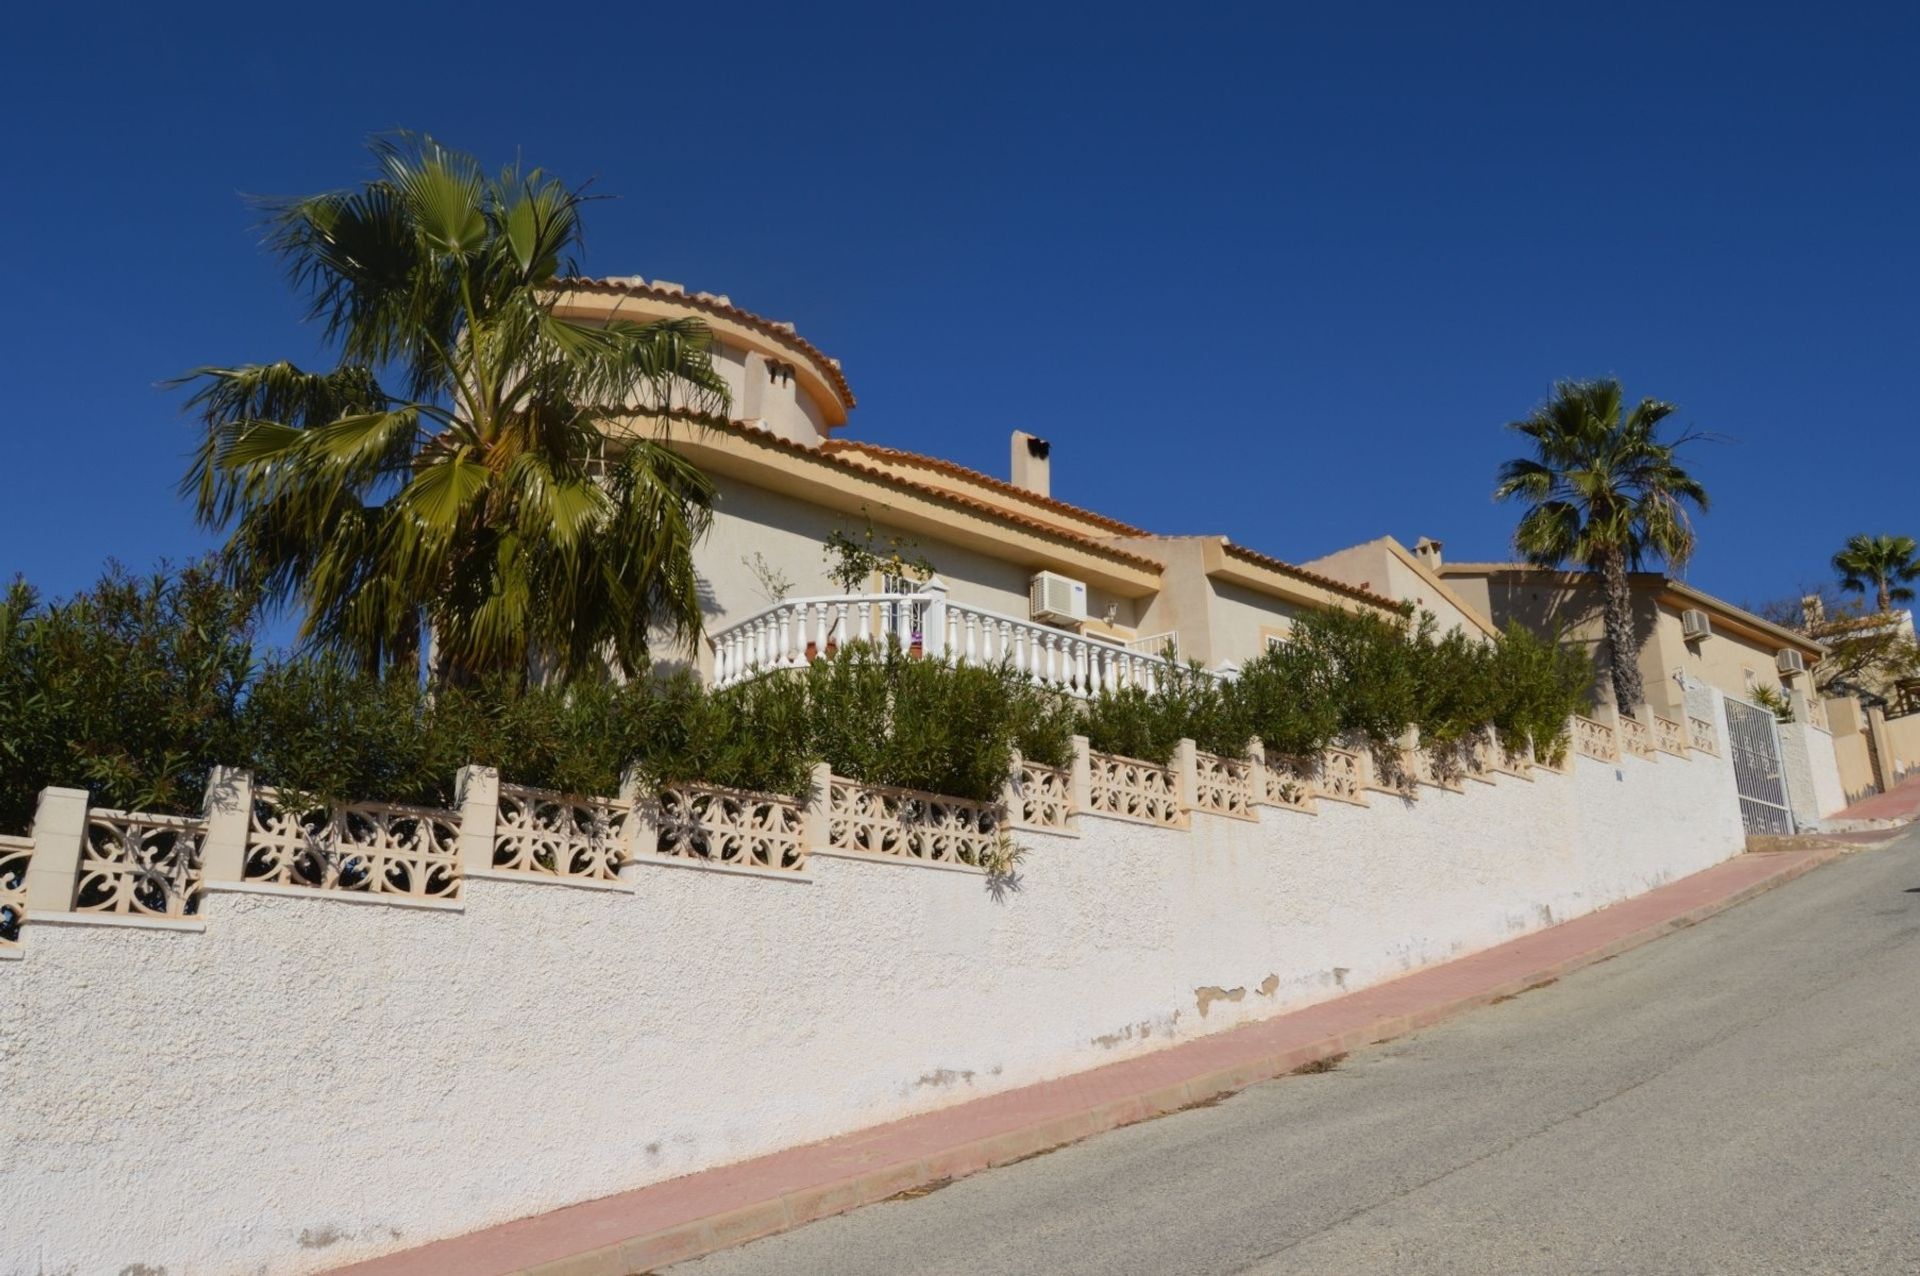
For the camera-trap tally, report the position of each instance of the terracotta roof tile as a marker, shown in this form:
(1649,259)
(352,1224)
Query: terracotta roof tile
(838,460)
(935,463)
(1360,592)
(720,304)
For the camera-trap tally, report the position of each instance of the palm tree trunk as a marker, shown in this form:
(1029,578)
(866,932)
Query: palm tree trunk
(1623,652)
(1885,592)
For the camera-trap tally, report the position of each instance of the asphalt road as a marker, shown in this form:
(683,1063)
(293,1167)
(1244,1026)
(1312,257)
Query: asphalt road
(1742,1097)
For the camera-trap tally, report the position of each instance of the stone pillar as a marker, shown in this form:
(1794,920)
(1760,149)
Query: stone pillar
(815,819)
(1257,768)
(477,794)
(229,814)
(1186,769)
(933,620)
(643,820)
(1080,775)
(1885,765)
(1010,788)
(59,832)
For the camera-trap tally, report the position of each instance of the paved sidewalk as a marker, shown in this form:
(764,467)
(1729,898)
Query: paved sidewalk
(640,1230)
(1901,802)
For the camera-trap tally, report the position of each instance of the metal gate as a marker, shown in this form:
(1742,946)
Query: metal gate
(1753,742)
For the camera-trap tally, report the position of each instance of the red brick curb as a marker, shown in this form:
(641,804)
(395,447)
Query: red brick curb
(637,1231)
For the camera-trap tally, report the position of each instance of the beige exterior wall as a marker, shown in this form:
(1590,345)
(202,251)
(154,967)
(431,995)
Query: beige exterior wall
(789,534)
(1377,566)
(1732,661)
(1903,738)
(1241,621)
(1856,766)
(1217,620)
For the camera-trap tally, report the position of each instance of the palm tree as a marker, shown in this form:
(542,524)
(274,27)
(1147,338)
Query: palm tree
(1605,492)
(1885,562)
(457,464)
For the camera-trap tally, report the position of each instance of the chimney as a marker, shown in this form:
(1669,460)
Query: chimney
(1427,550)
(1032,469)
(1813,611)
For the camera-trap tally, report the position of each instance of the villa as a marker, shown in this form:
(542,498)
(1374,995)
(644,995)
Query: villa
(1079,598)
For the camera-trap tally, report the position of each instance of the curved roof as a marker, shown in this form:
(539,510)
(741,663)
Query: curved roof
(720,305)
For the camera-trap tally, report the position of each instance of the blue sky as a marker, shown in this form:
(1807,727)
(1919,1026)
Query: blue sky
(1279,272)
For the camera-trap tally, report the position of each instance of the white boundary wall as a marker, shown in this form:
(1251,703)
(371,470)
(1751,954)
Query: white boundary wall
(310,1081)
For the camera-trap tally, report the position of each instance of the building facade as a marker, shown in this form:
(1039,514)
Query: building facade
(1017,574)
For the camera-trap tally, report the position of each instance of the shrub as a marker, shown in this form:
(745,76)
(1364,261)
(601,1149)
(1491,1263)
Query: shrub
(1149,724)
(1454,689)
(322,731)
(1367,660)
(756,735)
(1290,699)
(880,716)
(1537,685)
(131,688)
(577,738)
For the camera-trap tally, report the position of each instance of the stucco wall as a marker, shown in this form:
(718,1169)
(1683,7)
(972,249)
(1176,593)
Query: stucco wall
(1824,761)
(311,1081)
(1731,662)
(790,535)
(1240,621)
(1903,734)
(1798,748)
(1375,566)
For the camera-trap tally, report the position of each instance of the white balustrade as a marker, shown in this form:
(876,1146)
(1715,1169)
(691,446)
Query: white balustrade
(791,634)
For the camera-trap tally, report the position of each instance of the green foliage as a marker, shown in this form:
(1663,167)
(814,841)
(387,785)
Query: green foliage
(1368,660)
(327,732)
(1356,676)
(1882,565)
(1291,698)
(1537,684)
(854,560)
(879,715)
(131,688)
(137,688)
(1774,701)
(1148,725)
(756,735)
(1454,691)
(454,462)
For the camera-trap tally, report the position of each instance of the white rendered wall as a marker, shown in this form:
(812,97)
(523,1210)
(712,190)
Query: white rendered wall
(312,1081)
(1823,761)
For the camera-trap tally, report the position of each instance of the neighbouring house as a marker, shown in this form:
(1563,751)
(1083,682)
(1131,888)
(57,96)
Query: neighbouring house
(1683,632)
(1411,576)
(1689,641)
(1080,598)
(1875,718)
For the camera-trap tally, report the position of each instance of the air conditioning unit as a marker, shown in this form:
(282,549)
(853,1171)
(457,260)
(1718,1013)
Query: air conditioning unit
(1695,625)
(1056,598)
(1790,661)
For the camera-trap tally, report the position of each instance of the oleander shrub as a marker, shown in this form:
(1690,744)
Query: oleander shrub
(755,735)
(1369,663)
(1454,689)
(882,716)
(1149,724)
(321,731)
(131,689)
(1290,699)
(1537,685)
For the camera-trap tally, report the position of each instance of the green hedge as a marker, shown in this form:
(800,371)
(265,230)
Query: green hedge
(136,687)
(1348,675)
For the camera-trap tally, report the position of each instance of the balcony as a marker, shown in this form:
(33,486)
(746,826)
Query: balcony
(793,633)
